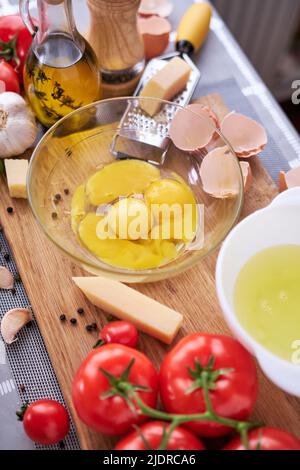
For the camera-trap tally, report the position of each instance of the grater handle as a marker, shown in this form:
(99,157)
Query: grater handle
(193,28)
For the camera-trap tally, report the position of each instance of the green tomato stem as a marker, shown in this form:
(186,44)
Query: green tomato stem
(241,427)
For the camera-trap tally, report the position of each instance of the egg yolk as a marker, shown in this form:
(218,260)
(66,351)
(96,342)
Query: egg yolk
(130,219)
(141,254)
(176,206)
(128,233)
(120,178)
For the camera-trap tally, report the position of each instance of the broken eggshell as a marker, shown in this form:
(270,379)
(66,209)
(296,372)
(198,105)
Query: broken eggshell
(6,278)
(192,132)
(155,32)
(247,175)
(219,174)
(161,8)
(288,180)
(246,136)
(13,321)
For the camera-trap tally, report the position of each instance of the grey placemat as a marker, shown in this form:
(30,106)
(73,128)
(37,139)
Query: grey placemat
(29,363)
(272,158)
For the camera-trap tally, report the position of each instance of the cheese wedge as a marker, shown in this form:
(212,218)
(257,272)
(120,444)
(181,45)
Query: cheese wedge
(128,304)
(16,174)
(169,81)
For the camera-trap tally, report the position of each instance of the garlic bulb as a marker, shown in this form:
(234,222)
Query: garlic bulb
(18,129)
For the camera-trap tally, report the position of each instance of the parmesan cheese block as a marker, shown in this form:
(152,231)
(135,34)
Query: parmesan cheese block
(16,173)
(128,304)
(169,81)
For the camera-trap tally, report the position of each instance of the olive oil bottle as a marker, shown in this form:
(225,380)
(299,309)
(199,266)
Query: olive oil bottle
(61,71)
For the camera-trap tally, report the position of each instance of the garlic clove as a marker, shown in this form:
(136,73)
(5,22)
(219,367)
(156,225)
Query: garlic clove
(13,321)
(6,278)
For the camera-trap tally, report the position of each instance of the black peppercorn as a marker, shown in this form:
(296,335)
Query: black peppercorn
(62,317)
(94,326)
(89,328)
(17,277)
(54,215)
(73,321)
(10,210)
(80,311)
(13,291)
(66,191)
(7,257)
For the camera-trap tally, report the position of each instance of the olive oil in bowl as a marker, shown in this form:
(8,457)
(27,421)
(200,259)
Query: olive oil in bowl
(267,298)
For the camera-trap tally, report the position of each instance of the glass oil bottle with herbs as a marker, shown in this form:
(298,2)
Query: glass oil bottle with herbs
(61,71)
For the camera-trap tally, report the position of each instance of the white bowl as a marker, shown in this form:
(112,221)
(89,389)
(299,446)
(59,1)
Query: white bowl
(277,224)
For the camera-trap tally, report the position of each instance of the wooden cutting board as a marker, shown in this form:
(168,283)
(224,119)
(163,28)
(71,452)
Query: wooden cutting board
(46,275)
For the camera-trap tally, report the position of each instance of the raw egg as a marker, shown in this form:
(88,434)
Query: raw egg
(130,219)
(120,178)
(113,218)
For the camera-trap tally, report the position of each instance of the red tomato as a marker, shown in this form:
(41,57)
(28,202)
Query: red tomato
(112,414)
(151,433)
(9,76)
(232,392)
(15,41)
(266,439)
(120,332)
(46,422)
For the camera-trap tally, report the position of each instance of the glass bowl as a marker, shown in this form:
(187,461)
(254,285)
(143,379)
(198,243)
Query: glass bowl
(99,134)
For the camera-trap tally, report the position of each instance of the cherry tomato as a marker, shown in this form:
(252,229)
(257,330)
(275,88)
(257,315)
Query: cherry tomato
(149,437)
(9,76)
(266,439)
(46,422)
(120,332)
(15,41)
(231,376)
(98,403)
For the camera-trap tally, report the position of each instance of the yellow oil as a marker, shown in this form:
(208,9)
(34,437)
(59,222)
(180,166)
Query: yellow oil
(59,78)
(267,298)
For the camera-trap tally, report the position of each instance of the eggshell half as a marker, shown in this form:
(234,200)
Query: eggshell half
(191,132)
(247,175)
(161,8)
(288,180)
(219,173)
(246,136)
(155,32)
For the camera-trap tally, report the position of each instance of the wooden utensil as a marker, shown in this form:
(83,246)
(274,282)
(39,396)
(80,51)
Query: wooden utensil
(119,47)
